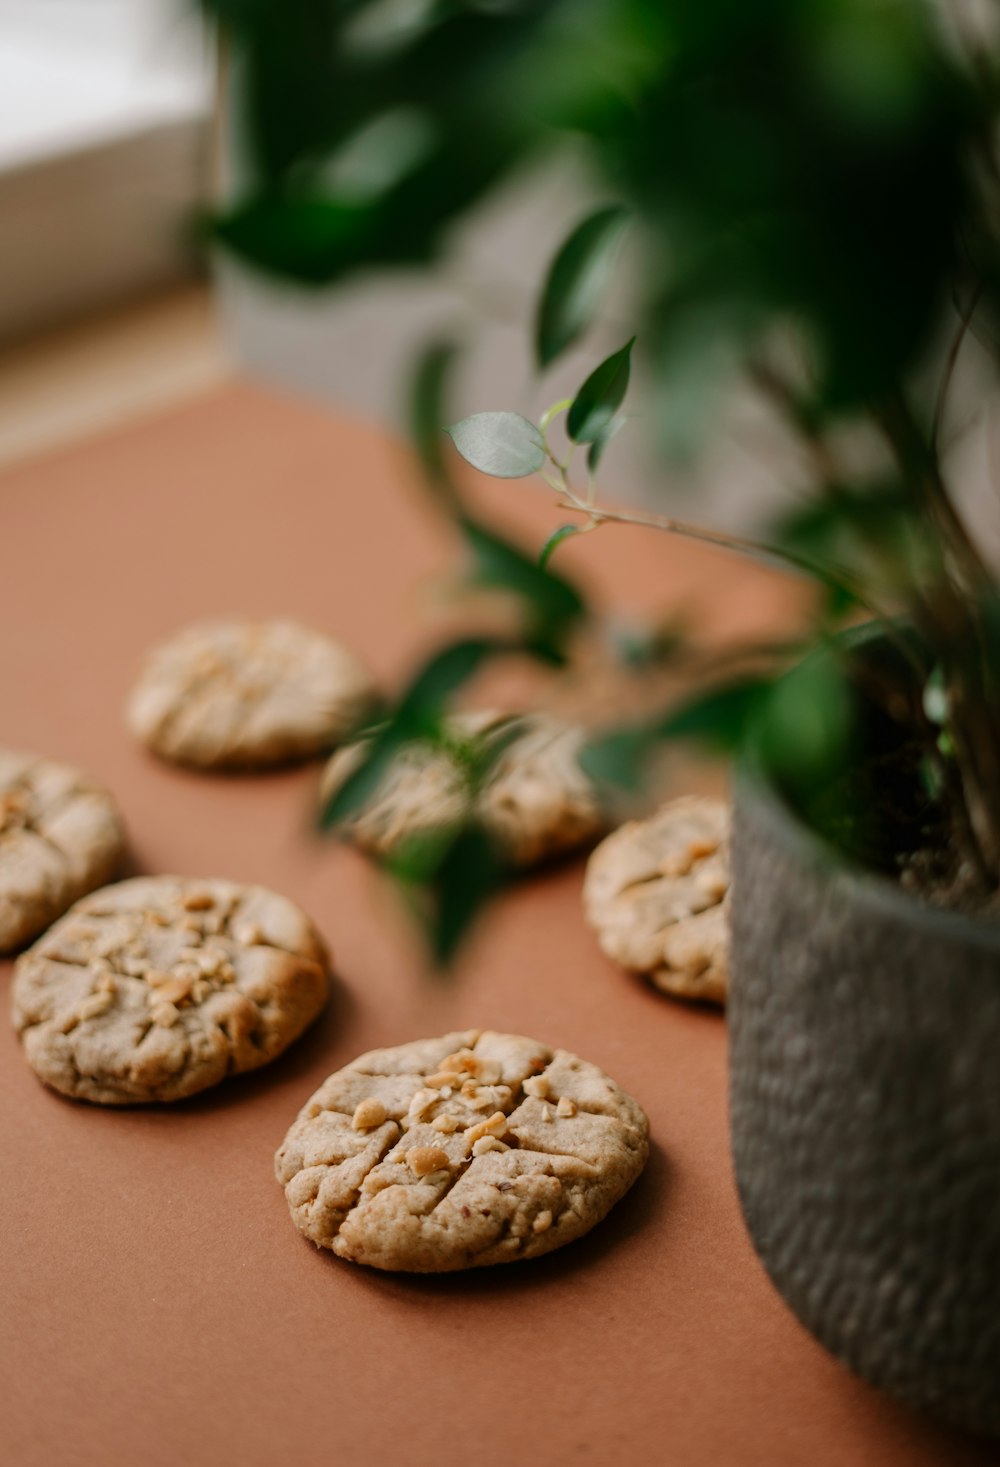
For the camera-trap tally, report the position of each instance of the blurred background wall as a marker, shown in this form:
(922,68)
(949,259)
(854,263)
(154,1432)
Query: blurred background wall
(109,143)
(103,113)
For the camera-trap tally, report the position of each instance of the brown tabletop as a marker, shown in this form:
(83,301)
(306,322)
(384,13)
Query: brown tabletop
(158,1308)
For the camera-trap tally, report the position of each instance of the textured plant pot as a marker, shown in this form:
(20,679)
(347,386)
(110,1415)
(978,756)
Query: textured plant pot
(865,1096)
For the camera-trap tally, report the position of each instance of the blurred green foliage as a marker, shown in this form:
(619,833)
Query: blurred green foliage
(810,186)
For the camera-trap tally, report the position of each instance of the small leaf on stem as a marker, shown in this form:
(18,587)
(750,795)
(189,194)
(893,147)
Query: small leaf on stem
(553,604)
(502,444)
(596,450)
(554,540)
(600,397)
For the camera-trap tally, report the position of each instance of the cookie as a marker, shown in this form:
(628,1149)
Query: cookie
(156,988)
(656,894)
(60,836)
(245,694)
(457,1152)
(536,801)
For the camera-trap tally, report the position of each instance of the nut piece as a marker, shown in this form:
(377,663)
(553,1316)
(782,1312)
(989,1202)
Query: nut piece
(542,1222)
(538,1086)
(96,1004)
(248,933)
(714,884)
(197,901)
(565,1106)
(677,864)
(175,990)
(165,1015)
(422,1100)
(495,1126)
(443,1080)
(463,1060)
(369,1113)
(700,848)
(447,1124)
(487,1143)
(426,1159)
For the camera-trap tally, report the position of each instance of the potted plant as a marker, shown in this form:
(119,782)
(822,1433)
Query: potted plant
(814,197)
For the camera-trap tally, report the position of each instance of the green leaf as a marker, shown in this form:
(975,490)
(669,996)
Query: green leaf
(600,397)
(502,444)
(364,780)
(718,719)
(424,700)
(596,450)
(620,757)
(469,875)
(554,605)
(307,239)
(451,877)
(426,411)
(554,540)
(576,281)
(805,727)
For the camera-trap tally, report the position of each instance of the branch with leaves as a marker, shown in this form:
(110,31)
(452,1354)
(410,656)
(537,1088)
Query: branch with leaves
(774,195)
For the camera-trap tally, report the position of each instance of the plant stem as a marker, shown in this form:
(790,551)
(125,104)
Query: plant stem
(737,544)
(919,466)
(965,318)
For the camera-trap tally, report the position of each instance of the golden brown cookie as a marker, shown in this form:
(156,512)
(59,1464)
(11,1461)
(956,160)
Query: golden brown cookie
(655,892)
(60,836)
(456,1152)
(244,694)
(536,800)
(155,988)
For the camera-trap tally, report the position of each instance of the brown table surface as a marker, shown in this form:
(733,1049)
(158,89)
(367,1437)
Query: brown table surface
(157,1305)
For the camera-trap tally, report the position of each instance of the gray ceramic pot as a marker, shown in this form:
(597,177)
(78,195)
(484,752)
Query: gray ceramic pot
(865,1094)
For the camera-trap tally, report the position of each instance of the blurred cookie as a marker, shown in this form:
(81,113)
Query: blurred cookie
(535,801)
(453,1153)
(60,836)
(155,988)
(243,694)
(655,892)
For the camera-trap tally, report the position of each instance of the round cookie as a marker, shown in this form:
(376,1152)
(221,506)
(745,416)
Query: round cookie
(155,988)
(536,801)
(452,1153)
(60,836)
(655,892)
(237,694)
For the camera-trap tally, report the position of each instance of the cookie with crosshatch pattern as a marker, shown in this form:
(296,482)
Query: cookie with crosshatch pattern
(656,892)
(535,799)
(60,836)
(236,694)
(452,1153)
(155,988)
